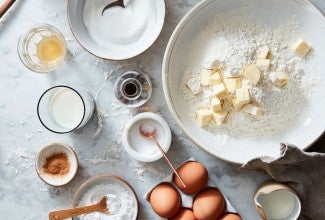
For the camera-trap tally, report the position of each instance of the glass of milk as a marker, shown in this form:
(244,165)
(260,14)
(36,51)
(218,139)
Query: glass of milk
(62,109)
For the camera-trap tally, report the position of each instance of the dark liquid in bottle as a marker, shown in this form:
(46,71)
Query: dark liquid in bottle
(130,89)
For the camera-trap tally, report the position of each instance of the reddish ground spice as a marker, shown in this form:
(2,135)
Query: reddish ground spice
(57,164)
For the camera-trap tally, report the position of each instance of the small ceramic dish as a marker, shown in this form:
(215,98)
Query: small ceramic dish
(109,35)
(144,149)
(277,201)
(49,150)
(107,184)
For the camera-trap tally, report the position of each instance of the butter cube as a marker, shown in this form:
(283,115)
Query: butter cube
(215,79)
(279,78)
(232,84)
(219,117)
(242,98)
(253,110)
(194,86)
(205,76)
(219,90)
(203,117)
(252,73)
(263,63)
(263,52)
(301,48)
(216,104)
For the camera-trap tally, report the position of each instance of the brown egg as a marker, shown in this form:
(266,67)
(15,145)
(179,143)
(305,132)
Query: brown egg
(165,200)
(194,175)
(208,204)
(184,214)
(230,216)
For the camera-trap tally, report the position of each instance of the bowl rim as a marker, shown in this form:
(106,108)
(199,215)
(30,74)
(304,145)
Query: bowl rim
(91,179)
(159,30)
(171,43)
(155,117)
(68,149)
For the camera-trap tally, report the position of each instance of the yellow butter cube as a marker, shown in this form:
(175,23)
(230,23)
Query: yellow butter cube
(279,78)
(203,117)
(242,98)
(263,63)
(216,104)
(252,74)
(263,52)
(219,117)
(301,48)
(232,84)
(194,86)
(215,79)
(205,76)
(219,90)
(253,110)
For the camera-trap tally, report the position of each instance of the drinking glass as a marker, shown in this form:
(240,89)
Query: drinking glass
(42,48)
(62,109)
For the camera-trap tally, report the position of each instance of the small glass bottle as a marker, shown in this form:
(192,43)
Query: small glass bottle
(133,88)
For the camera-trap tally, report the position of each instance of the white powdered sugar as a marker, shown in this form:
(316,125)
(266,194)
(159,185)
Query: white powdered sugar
(120,202)
(233,40)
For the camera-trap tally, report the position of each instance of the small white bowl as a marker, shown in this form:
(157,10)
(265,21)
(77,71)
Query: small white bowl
(116,50)
(146,152)
(48,151)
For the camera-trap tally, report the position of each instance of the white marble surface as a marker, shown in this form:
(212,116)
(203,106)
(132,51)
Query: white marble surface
(22,194)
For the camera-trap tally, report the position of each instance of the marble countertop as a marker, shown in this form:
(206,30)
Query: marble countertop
(22,194)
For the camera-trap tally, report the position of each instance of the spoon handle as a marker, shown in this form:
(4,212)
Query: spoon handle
(116,3)
(168,161)
(5,6)
(68,213)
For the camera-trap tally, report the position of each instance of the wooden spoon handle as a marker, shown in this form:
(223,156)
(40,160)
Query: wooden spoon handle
(5,6)
(68,213)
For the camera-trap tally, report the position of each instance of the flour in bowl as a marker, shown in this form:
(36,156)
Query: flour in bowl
(121,202)
(235,41)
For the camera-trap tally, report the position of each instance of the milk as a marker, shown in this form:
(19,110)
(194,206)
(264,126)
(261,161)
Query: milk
(276,201)
(67,108)
(278,204)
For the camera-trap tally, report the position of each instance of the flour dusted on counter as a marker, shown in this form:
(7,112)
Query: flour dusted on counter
(235,41)
(120,202)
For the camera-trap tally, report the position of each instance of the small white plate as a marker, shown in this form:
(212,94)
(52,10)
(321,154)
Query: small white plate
(116,50)
(48,151)
(102,180)
(153,153)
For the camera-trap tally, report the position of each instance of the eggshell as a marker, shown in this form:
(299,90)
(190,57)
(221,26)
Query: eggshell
(230,216)
(184,214)
(165,200)
(208,204)
(194,175)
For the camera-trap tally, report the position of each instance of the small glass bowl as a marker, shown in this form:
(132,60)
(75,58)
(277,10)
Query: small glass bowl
(27,48)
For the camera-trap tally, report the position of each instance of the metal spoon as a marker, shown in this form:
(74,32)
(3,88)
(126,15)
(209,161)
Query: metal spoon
(101,206)
(112,4)
(146,133)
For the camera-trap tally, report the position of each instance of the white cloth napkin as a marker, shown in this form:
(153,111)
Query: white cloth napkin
(303,172)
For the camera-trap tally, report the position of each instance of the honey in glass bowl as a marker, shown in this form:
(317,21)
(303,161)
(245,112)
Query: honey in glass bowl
(42,49)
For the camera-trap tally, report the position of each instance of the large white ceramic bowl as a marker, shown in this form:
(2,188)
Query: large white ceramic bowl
(242,148)
(117,50)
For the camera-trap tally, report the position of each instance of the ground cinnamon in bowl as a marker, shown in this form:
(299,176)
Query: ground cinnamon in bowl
(57,164)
